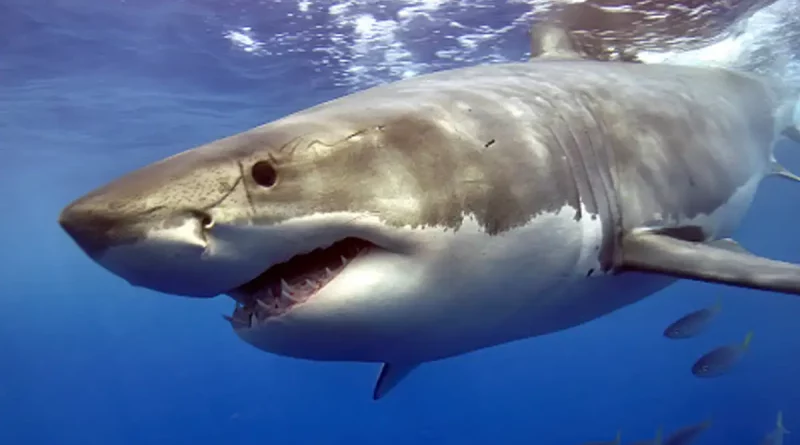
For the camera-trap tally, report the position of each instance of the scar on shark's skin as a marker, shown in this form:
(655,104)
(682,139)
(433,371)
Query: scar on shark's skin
(551,179)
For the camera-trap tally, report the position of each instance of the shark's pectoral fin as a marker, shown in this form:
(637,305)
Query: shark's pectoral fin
(715,262)
(389,377)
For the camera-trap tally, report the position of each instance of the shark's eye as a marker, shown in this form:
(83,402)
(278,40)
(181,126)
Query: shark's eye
(264,174)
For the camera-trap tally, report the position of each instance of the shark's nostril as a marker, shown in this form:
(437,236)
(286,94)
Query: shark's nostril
(208,223)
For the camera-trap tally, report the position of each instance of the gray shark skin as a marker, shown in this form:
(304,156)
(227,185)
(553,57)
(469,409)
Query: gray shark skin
(496,203)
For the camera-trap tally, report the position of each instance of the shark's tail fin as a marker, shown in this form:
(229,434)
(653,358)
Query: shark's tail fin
(782,72)
(771,56)
(788,121)
(765,47)
(788,124)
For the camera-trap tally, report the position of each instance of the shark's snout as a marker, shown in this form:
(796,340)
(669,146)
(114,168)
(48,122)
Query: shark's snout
(89,229)
(159,248)
(156,227)
(96,227)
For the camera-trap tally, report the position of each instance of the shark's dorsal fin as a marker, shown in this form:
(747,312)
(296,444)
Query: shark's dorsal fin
(549,41)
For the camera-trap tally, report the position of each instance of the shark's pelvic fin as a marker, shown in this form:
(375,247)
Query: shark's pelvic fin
(389,376)
(652,252)
(779,170)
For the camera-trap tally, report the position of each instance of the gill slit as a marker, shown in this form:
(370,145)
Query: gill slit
(584,188)
(608,171)
(572,166)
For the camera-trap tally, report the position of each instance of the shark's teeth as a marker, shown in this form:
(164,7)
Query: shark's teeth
(263,305)
(288,293)
(271,295)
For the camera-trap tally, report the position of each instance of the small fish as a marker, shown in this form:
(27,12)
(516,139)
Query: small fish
(692,324)
(720,360)
(687,435)
(655,441)
(776,436)
(616,441)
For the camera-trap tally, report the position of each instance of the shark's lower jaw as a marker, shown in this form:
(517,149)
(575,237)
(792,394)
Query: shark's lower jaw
(286,285)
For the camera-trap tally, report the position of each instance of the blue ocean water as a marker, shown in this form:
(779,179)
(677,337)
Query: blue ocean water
(90,90)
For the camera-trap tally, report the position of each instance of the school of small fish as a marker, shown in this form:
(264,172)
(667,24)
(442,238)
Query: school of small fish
(717,361)
(687,435)
(713,363)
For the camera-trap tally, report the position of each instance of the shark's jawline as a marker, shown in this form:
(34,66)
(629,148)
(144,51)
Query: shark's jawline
(284,285)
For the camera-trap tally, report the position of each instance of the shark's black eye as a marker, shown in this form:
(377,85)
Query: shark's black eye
(264,174)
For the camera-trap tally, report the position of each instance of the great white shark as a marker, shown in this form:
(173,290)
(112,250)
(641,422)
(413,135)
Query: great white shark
(458,210)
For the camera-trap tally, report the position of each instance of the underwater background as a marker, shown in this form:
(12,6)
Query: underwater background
(92,89)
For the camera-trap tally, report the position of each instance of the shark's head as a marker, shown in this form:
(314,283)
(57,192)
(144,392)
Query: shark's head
(253,208)
(316,226)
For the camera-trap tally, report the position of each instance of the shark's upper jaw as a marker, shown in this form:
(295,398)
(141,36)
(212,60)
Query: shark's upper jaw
(286,285)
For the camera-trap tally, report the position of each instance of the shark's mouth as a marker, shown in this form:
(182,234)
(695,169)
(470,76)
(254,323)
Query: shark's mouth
(286,285)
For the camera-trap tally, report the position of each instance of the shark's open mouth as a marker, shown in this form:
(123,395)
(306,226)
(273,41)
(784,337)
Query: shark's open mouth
(293,282)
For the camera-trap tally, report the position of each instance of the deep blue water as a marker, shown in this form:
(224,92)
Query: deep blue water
(90,90)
